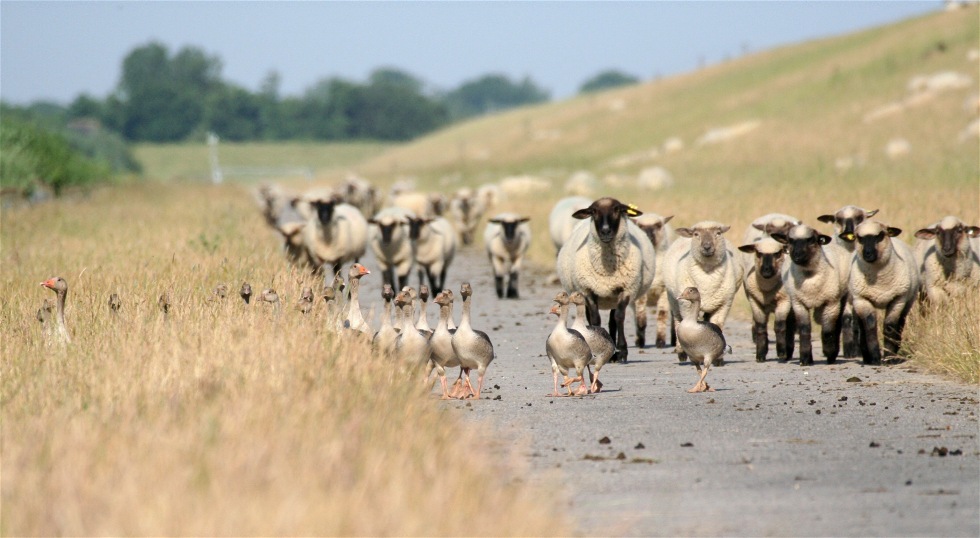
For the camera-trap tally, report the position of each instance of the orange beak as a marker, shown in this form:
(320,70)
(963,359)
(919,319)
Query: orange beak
(364,270)
(49,283)
(554,309)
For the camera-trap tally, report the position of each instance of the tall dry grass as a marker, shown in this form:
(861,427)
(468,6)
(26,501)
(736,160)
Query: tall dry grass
(945,338)
(219,419)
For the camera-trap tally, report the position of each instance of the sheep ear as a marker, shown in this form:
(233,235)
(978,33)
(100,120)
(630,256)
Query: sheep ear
(926,233)
(869,214)
(667,219)
(522,220)
(893,232)
(849,237)
(780,238)
(683,232)
(494,221)
(583,213)
(372,221)
(829,219)
(632,210)
(724,229)
(823,239)
(760,227)
(972,231)
(750,248)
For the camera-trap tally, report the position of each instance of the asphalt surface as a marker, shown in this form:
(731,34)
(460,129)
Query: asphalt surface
(777,450)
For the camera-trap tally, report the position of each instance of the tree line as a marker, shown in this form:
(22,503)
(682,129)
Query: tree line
(172,97)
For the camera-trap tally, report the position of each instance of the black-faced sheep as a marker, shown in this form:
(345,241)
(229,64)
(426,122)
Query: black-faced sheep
(845,221)
(335,233)
(391,245)
(883,275)
(948,259)
(815,281)
(763,284)
(611,261)
(435,248)
(507,238)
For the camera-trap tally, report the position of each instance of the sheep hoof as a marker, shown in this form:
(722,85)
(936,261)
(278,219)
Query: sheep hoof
(831,361)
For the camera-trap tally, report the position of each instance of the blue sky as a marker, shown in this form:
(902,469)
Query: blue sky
(58,50)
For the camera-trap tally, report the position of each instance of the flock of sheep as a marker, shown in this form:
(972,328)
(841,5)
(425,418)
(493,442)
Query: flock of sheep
(610,256)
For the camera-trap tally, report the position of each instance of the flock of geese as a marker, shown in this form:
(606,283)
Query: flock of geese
(406,336)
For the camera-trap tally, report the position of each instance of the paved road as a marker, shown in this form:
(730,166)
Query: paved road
(777,450)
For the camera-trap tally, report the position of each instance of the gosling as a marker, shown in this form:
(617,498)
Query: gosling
(703,340)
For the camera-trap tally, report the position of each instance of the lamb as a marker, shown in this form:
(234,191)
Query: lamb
(391,245)
(763,284)
(560,221)
(335,234)
(466,209)
(507,238)
(948,260)
(702,258)
(816,281)
(883,275)
(762,280)
(661,235)
(845,220)
(610,261)
(435,248)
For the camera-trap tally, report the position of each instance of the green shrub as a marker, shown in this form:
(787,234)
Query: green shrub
(31,156)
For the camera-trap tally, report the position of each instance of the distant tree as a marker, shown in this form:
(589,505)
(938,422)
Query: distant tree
(164,99)
(85,106)
(234,114)
(389,76)
(491,93)
(604,80)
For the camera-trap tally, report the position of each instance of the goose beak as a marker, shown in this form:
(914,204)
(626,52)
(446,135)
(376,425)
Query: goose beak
(364,270)
(554,309)
(49,283)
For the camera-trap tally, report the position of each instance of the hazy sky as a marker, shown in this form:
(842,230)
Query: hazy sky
(57,50)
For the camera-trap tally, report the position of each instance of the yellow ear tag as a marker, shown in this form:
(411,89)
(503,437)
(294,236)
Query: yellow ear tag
(849,237)
(632,210)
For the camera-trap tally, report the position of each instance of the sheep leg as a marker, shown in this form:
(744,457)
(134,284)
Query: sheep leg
(512,286)
(830,334)
(640,312)
(851,331)
(620,314)
(806,345)
(761,339)
(402,281)
(498,281)
(870,351)
(662,321)
(892,329)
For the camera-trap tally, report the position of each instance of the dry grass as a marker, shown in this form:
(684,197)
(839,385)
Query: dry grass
(946,338)
(222,419)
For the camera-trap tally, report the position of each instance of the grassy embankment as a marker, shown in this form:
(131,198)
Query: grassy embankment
(221,419)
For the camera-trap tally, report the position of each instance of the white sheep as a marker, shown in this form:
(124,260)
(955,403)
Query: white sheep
(611,261)
(702,258)
(360,193)
(391,245)
(507,238)
(335,234)
(561,222)
(883,275)
(763,285)
(435,248)
(815,281)
(466,209)
(947,258)
(418,203)
(661,235)
(845,221)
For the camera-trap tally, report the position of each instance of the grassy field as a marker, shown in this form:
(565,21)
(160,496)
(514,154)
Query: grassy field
(217,419)
(223,420)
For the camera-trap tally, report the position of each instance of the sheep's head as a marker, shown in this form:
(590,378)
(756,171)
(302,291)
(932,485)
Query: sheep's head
(415,225)
(324,209)
(768,256)
(776,225)
(873,237)
(654,227)
(950,234)
(608,216)
(509,226)
(847,219)
(804,243)
(387,225)
(706,238)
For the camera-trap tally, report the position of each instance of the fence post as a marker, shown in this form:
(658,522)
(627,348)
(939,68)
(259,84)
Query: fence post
(216,177)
